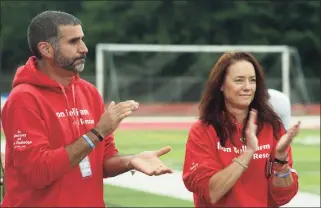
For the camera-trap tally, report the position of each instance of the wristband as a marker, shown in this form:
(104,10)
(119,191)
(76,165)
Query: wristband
(241,163)
(279,167)
(91,144)
(94,131)
(282,175)
(283,162)
(131,171)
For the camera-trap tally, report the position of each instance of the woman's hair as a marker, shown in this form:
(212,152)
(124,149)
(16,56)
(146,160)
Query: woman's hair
(212,106)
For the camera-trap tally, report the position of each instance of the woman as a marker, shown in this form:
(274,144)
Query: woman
(237,153)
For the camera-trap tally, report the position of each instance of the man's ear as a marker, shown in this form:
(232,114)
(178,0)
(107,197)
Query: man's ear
(222,88)
(45,49)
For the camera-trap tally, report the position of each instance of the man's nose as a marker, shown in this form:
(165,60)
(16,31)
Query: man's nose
(83,48)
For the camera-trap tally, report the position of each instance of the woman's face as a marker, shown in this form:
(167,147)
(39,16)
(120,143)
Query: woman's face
(239,85)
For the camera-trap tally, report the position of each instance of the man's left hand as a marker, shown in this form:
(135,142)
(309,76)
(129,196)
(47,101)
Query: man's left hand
(148,162)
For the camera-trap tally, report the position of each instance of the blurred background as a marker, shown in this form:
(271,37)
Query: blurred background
(168,84)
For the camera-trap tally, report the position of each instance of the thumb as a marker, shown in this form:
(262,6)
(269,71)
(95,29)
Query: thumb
(253,116)
(163,151)
(112,103)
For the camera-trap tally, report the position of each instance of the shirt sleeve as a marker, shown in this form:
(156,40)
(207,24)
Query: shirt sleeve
(279,196)
(200,163)
(109,147)
(31,152)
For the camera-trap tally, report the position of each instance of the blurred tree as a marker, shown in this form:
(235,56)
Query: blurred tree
(174,22)
(15,18)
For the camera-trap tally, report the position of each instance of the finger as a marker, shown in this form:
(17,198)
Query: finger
(163,170)
(151,172)
(297,126)
(132,105)
(166,170)
(293,131)
(124,115)
(111,104)
(284,143)
(158,171)
(118,106)
(253,116)
(163,151)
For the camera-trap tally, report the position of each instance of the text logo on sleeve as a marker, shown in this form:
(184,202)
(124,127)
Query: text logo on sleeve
(20,140)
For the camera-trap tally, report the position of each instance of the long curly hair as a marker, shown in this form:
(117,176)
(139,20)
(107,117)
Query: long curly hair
(212,106)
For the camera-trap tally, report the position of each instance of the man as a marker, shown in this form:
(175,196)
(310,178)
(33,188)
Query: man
(281,105)
(2,171)
(59,138)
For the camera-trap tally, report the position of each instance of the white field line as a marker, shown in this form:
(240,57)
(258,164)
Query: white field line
(307,140)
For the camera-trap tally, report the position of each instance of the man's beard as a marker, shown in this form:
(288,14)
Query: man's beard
(69,64)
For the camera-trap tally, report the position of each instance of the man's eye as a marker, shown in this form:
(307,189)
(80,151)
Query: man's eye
(73,41)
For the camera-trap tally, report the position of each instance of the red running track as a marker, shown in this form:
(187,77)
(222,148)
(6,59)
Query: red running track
(156,126)
(175,126)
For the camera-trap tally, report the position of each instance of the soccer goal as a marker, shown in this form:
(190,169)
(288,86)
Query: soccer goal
(161,73)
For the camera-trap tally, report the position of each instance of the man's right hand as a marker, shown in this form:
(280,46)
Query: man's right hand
(113,115)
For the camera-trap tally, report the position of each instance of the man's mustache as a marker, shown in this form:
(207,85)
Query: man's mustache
(80,57)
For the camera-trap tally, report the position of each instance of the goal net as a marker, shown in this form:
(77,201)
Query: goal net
(176,74)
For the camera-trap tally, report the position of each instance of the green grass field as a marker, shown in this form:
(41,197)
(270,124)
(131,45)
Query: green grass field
(306,162)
